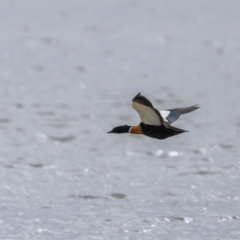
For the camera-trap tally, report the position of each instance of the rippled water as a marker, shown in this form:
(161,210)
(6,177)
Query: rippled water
(68,72)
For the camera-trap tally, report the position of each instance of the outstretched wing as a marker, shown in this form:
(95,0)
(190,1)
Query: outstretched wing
(171,115)
(148,114)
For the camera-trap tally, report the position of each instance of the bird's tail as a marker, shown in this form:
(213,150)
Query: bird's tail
(175,131)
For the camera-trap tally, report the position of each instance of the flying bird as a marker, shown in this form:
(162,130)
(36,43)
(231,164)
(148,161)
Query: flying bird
(154,123)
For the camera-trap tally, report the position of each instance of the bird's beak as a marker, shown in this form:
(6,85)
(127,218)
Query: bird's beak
(110,131)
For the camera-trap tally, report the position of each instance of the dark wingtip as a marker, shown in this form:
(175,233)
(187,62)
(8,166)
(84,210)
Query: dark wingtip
(109,132)
(196,106)
(137,96)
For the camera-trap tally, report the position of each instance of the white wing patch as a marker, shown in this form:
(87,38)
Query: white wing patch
(147,114)
(164,115)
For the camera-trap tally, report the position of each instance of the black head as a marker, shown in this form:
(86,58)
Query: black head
(120,129)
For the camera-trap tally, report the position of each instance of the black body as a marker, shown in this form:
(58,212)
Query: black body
(160,132)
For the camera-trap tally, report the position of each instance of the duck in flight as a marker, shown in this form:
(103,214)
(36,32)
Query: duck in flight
(154,123)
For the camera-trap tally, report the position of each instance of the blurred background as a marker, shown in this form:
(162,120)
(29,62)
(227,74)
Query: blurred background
(68,73)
